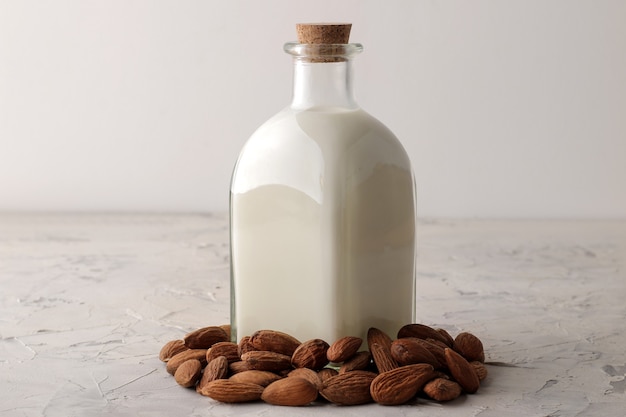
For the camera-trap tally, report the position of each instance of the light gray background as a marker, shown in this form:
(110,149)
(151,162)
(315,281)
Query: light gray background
(507,108)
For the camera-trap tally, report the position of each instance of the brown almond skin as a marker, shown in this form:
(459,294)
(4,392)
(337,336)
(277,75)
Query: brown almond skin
(462,371)
(184,356)
(379,344)
(215,369)
(410,350)
(447,336)
(263,360)
(360,361)
(237,367)
(245,345)
(310,354)
(421,331)
(205,337)
(171,348)
(401,384)
(327,373)
(375,335)
(436,343)
(308,374)
(469,346)
(188,373)
(228,349)
(274,341)
(227,391)
(437,348)
(382,358)
(441,389)
(343,348)
(290,392)
(226,328)
(349,388)
(262,378)
(481,369)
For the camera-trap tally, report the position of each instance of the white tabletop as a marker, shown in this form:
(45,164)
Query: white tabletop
(87,301)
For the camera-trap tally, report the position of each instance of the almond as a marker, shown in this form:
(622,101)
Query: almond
(360,361)
(179,358)
(343,348)
(308,374)
(263,360)
(226,328)
(481,369)
(326,373)
(462,371)
(375,335)
(446,335)
(228,349)
(310,354)
(274,341)
(449,339)
(410,350)
(436,342)
(277,368)
(349,388)
(290,392)
(205,337)
(379,344)
(421,331)
(437,348)
(228,391)
(237,367)
(188,373)
(441,389)
(245,345)
(171,348)
(215,369)
(469,346)
(382,357)
(399,385)
(262,378)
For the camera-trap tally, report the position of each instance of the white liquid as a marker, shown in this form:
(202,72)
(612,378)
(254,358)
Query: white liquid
(322,227)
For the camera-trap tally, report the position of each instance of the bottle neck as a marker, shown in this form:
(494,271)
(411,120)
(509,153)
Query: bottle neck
(322,75)
(322,84)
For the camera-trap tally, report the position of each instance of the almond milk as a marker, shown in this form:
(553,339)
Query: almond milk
(323,227)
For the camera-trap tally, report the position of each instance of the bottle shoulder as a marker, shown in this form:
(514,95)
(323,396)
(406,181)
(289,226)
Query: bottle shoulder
(331,132)
(322,124)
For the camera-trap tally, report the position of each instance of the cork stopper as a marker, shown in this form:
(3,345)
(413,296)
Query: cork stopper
(323,33)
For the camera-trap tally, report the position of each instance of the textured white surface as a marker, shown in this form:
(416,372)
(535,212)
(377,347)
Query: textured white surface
(86,302)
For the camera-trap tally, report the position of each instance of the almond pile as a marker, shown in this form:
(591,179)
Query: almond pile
(279,369)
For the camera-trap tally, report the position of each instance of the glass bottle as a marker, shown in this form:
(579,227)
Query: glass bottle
(322,209)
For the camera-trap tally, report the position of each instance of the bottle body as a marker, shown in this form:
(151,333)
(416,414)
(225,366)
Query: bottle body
(322,227)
